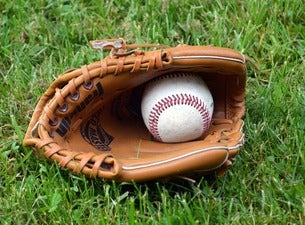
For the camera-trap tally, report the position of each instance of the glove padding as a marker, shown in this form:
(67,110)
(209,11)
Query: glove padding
(88,120)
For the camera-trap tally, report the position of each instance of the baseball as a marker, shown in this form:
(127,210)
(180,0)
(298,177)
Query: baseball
(177,107)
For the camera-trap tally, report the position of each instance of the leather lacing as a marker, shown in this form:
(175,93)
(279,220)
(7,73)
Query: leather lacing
(88,83)
(74,93)
(221,134)
(78,161)
(139,63)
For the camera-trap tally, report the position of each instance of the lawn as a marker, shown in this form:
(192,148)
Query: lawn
(41,39)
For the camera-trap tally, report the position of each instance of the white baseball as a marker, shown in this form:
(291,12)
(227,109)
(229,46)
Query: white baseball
(177,107)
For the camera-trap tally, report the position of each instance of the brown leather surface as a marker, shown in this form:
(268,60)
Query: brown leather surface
(88,119)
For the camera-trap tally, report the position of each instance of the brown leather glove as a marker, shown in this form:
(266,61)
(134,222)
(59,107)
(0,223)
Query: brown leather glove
(89,122)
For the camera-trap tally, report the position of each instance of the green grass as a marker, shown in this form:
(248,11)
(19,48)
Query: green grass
(41,39)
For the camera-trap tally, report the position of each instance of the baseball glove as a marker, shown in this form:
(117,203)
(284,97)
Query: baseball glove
(88,120)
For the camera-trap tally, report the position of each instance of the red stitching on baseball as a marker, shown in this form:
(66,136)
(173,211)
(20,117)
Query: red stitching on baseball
(176,99)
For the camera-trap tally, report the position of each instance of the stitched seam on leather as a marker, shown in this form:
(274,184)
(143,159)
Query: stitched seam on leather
(176,99)
(198,151)
(211,57)
(189,154)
